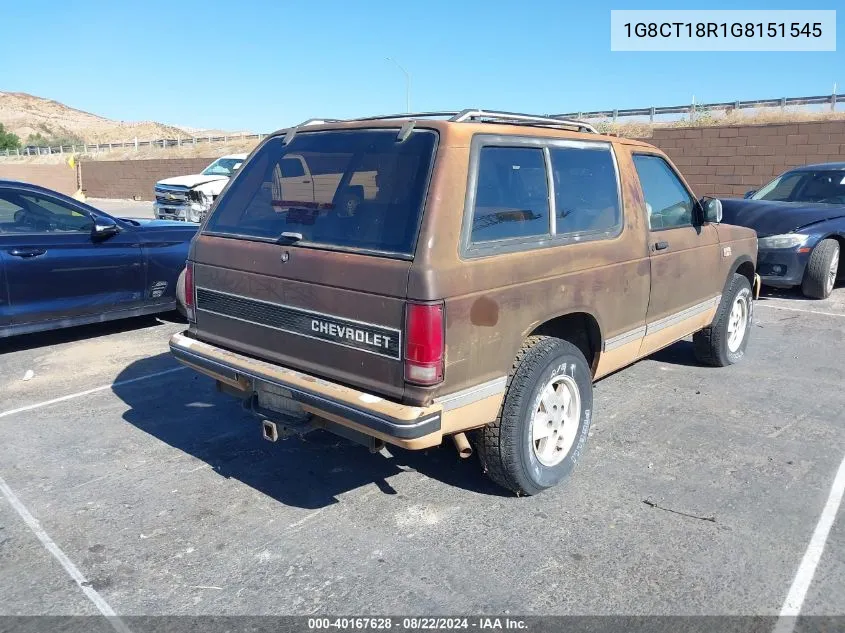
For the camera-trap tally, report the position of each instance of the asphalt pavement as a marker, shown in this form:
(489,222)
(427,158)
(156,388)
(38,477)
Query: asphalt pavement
(699,492)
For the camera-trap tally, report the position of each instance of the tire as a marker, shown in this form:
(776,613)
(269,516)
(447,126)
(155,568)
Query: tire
(822,269)
(180,295)
(716,344)
(507,449)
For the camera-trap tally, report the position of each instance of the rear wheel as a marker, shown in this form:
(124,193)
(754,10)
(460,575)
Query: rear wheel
(822,269)
(545,418)
(723,342)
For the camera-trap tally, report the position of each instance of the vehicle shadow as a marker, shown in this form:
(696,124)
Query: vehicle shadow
(80,332)
(794,293)
(680,353)
(185,411)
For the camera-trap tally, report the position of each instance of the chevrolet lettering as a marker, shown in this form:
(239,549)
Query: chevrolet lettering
(351,334)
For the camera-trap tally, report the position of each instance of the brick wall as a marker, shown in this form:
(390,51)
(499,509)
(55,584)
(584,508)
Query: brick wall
(728,161)
(58,177)
(717,161)
(130,178)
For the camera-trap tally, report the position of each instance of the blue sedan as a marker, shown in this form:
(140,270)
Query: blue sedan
(65,263)
(800,221)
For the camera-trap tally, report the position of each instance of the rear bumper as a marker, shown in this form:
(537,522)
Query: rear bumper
(403,425)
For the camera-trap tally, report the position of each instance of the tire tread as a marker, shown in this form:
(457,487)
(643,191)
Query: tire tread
(815,275)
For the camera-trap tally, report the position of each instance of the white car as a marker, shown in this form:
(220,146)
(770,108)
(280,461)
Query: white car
(189,198)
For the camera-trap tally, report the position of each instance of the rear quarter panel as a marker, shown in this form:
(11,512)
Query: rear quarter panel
(493,303)
(165,253)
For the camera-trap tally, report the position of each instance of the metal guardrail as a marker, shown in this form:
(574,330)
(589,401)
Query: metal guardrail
(95,148)
(692,110)
(695,108)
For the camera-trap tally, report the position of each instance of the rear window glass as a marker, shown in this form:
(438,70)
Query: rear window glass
(348,190)
(511,194)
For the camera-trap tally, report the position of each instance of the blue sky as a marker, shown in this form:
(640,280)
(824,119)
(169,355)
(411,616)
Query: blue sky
(264,64)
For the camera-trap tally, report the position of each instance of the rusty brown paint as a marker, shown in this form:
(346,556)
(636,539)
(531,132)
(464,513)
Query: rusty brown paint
(492,303)
(484,312)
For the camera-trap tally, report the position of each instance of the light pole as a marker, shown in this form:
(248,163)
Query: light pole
(407,84)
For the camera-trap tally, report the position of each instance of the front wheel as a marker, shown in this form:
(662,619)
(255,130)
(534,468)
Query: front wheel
(723,342)
(545,418)
(822,269)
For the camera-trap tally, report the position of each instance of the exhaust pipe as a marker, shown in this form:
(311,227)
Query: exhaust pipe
(462,444)
(269,431)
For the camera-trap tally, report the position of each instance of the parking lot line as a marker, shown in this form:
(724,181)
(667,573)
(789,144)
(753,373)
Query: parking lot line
(806,570)
(64,561)
(768,305)
(79,394)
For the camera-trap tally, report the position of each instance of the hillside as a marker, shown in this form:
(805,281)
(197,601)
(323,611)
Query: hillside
(24,114)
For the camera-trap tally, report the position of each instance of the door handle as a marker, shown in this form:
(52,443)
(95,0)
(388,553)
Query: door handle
(27,252)
(661,246)
(306,182)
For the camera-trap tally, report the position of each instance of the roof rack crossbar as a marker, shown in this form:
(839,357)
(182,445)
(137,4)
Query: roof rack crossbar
(496,116)
(291,132)
(406,115)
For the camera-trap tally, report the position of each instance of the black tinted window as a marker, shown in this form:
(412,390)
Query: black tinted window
(357,189)
(511,194)
(668,202)
(34,213)
(586,192)
(826,187)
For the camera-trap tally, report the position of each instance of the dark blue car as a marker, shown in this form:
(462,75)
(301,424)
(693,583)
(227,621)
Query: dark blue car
(65,263)
(800,222)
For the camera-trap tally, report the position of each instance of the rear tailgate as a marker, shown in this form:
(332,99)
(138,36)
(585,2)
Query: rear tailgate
(336,315)
(304,260)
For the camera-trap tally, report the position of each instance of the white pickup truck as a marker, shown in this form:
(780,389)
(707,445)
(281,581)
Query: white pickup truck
(189,198)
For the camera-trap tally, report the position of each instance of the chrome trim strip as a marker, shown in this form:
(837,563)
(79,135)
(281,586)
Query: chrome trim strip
(307,311)
(624,338)
(661,324)
(674,319)
(472,394)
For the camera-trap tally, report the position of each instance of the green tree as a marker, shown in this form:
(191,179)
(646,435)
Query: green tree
(37,140)
(8,140)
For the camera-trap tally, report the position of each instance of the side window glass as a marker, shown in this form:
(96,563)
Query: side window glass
(511,194)
(668,203)
(586,191)
(9,210)
(43,215)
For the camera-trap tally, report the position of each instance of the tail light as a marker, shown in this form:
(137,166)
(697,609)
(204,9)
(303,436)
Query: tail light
(424,343)
(189,290)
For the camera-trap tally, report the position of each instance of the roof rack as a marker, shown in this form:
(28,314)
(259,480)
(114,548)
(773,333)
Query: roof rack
(518,118)
(491,116)
(464,116)
(291,132)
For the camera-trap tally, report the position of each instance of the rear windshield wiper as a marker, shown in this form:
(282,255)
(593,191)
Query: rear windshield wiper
(289,237)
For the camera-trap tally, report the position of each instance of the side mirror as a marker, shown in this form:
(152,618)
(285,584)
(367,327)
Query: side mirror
(104,228)
(748,194)
(712,208)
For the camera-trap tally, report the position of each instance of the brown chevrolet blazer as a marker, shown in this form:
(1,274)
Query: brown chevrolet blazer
(399,279)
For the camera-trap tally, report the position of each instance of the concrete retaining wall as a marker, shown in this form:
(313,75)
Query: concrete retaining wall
(728,161)
(58,177)
(134,178)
